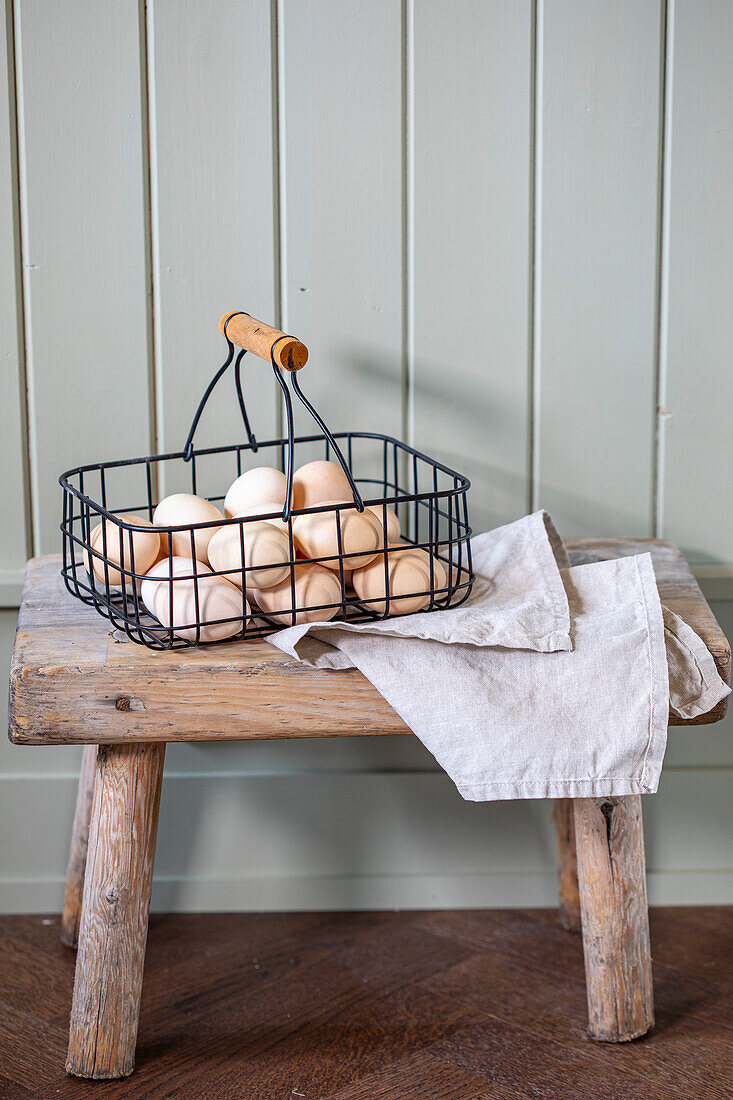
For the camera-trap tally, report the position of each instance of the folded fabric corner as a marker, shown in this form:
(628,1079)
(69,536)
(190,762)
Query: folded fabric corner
(695,685)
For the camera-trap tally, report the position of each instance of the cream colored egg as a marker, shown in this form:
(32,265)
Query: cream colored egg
(266,553)
(217,599)
(256,486)
(137,553)
(317,597)
(186,508)
(394,529)
(270,508)
(317,535)
(440,577)
(409,582)
(319,481)
(166,570)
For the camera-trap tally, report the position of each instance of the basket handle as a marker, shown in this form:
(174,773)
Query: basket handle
(263,340)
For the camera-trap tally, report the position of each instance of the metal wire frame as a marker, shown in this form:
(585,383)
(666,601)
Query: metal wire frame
(429,497)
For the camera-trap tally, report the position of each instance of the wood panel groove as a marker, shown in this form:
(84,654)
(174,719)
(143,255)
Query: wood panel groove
(16,541)
(534,310)
(148,212)
(662,281)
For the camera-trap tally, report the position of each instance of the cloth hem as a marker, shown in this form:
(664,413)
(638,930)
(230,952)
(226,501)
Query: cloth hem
(493,791)
(658,675)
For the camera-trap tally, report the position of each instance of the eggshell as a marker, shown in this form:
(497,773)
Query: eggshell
(185,508)
(394,529)
(143,545)
(266,553)
(217,599)
(314,588)
(317,535)
(265,509)
(319,481)
(409,581)
(163,571)
(440,576)
(256,486)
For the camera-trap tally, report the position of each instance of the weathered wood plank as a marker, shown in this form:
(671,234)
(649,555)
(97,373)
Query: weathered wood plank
(611,879)
(568,897)
(114,918)
(71,914)
(73,680)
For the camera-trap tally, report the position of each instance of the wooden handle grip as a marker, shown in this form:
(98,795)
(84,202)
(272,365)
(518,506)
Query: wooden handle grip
(255,336)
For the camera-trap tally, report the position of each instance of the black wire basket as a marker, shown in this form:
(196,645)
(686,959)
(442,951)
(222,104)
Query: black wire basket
(108,520)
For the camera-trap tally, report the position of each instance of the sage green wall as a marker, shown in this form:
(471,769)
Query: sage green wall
(505,230)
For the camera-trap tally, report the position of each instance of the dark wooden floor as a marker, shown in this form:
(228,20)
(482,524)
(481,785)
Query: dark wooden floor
(377,1006)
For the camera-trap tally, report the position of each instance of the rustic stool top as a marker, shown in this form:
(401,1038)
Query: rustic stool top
(75,681)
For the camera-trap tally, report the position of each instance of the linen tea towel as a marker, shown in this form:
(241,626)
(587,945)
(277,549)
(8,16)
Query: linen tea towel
(549,681)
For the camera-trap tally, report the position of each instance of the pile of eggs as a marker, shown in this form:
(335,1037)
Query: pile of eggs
(195,576)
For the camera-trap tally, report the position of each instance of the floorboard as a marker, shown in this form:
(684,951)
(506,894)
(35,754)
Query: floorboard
(460,1005)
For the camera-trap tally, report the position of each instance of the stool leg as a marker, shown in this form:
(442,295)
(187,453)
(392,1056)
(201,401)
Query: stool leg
(114,914)
(615,918)
(568,897)
(78,849)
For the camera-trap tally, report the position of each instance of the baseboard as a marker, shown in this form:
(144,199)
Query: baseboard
(360,892)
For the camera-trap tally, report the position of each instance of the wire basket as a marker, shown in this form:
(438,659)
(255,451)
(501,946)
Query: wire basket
(105,505)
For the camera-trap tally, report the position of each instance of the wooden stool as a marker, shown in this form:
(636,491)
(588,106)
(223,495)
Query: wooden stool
(73,681)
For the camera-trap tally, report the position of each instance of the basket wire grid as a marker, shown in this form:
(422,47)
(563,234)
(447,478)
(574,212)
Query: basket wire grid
(429,498)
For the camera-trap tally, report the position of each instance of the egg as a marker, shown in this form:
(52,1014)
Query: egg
(143,546)
(409,581)
(394,529)
(217,599)
(266,553)
(166,570)
(270,508)
(317,535)
(256,486)
(319,481)
(440,577)
(188,509)
(317,597)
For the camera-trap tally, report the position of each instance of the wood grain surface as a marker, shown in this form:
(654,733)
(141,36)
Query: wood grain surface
(73,680)
(71,914)
(462,1005)
(114,916)
(567,865)
(611,879)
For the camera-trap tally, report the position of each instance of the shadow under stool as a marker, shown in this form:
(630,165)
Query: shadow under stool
(73,681)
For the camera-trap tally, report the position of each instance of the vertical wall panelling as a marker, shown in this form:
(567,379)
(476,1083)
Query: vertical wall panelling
(342,135)
(213,197)
(698,337)
(599,144)
(471,146)
(457,206)
(84,239)
(13,547)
